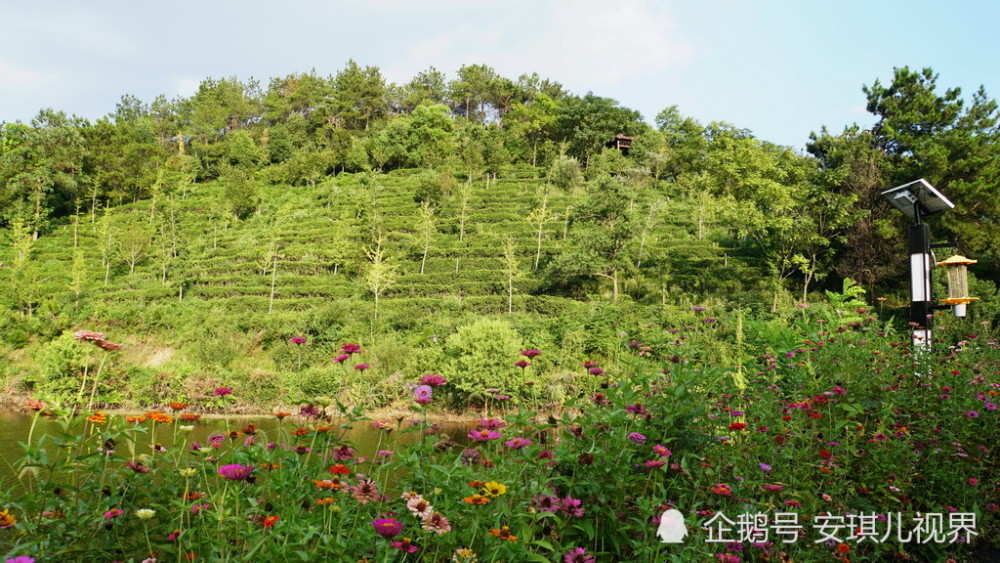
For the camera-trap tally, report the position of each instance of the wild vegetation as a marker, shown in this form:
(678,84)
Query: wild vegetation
(850,445)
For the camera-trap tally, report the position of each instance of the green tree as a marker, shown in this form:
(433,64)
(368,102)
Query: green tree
(587,123)
(950,142)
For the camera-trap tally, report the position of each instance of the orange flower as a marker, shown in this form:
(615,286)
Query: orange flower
(325,501)
(190,417)
(270,521)
(34,404)
(503,533)
(323,428)
(477,499)
(269,465)
(300,431)
(159,416)
(281,415)
(333,484)
(177,406)
(195,495)
(135,419)
(7,519)
(477,484)
(98,417)
(843,548)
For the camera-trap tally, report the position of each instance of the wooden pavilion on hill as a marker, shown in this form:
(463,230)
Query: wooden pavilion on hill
(622,143)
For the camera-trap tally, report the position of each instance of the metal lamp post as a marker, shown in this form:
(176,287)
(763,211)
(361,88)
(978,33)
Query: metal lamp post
(917,200)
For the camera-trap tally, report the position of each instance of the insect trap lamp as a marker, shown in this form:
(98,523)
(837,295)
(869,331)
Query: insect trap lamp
(957,268)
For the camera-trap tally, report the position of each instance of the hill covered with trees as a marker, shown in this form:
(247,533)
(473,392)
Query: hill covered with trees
(448,224)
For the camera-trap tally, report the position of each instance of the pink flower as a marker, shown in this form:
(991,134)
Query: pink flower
(654,463)
(483,435)
(578,555)
(433,379)
(350,348)
(387,527)
(341,358)
(405,545)
(662,451)
(222,391)
(297,340)
(773,488)
(517,443)
(113,513)
(436,523)
(973,481)
(362,367)
(522,364)
(531,353)
(235,472)
(422,394)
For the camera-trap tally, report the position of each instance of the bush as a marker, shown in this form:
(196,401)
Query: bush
(482,356)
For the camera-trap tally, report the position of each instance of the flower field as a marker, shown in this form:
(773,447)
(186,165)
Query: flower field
(854,446)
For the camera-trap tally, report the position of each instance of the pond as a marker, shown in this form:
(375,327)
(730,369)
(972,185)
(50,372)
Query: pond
(15,427)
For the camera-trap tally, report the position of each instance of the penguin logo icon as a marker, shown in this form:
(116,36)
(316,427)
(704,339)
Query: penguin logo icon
(672,528)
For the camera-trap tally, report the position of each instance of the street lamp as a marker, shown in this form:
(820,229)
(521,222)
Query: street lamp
(917,200)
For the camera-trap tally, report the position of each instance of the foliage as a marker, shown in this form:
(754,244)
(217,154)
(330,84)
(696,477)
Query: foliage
(481,357)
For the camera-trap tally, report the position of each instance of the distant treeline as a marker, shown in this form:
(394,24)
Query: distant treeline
(806,215)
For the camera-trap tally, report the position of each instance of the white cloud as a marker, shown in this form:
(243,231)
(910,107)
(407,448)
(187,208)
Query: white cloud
(18,80)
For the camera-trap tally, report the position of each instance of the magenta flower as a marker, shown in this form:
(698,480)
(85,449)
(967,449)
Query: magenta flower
(578,555)
(773,488)
(971,414)
(522,364)
(362,367)
(595,371)
(350,348)
(654,463)
(387,527)
(636,438)
(21,559)
(235,472)
(433,379)
(589,364)
(492,423)
(531,353)
(517,443)
(343,453)
(698,309)
(113,513)
(341,358)
(571,506)
(662,451)
(297,340)
(422,394)
(546,503)
(222,391)
(198,508)
(405,545)
(483,435)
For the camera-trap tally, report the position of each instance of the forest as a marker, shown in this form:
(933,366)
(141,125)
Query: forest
(453,220)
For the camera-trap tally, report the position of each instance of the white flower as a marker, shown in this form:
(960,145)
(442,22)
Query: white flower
(145,513)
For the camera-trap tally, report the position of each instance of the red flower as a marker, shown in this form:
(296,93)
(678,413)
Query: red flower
(825,454)
(737,426)
(340,469)
(270,521)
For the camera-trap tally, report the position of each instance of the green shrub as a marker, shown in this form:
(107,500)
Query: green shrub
(482,356)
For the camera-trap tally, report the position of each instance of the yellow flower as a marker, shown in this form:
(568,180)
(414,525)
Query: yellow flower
(494,489)
(7,519)
(464,555)
(187,472)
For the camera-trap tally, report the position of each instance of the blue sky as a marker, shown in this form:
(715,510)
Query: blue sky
(779,68)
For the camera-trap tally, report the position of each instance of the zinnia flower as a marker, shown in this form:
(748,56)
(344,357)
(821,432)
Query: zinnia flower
(387,527)
(113,513)
(533,352)
(145,513)
(436,523)
(341,358)
(578,555)
(235,472)
(503,533)
(494,489)
(722,489)
(484,435)
(571,507)
(636,438)
(517,443)
(433,379)
(350,348)
(522,364)
(297,340)
(270,521)
(422,394)
(365,491)
(405,545)
(21,559)
(361,367)
(222,391)
(477,499)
